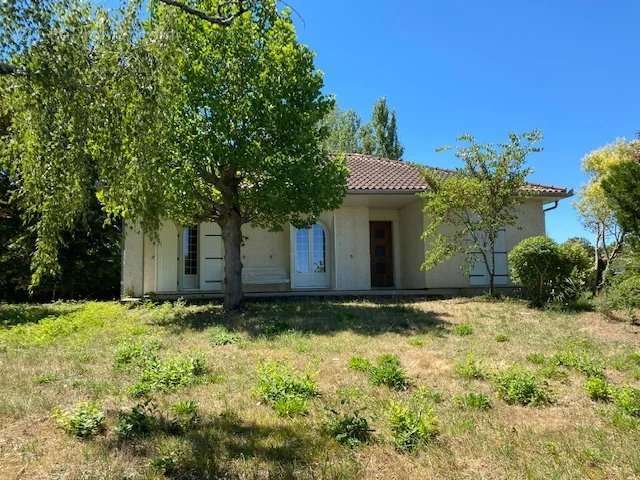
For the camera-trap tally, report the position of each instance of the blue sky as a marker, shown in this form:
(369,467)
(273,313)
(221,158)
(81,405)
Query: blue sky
(570,68)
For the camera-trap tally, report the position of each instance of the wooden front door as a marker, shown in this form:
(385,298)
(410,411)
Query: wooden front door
(381,248)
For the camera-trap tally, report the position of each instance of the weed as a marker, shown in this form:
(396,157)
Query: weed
(424,394)
(598,389)
(359,364)
(519,386)
(172,458)
(84,420)
(501,338)
(136,353)
(137,422)
(219,335)
(170,374)
(388,371)
(411,427)
(470,368)
(416,341)
(576,355)
(286,391)
(463,329)
(349,429)
(185,415)
(479,401)
(45,378)
(627,399)
(536,358)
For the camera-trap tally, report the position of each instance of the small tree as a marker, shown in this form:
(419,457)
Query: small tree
(344,131)
(477,200)
(381,134)
(597,209)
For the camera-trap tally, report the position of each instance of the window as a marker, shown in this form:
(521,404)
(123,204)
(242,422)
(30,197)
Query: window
(311,249)
(479,275)
(190,250)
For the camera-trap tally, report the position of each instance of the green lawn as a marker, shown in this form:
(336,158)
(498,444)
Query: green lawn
(441,389)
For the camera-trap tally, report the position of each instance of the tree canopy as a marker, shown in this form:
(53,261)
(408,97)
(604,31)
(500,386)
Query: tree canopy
(466,208)
(168,118)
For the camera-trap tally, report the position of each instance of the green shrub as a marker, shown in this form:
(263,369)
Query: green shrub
(411,427)
(519,386)
(283,389)
(470,368)
(184,415)
(219,335)
(388,371)
(136,353)
(136,422)
(501,338)
(549,271)
(349,429)
(463,329)
(627,398)
(598,389)
(84,420)
(170,374)
(479,401)
(359,364)
(623,295)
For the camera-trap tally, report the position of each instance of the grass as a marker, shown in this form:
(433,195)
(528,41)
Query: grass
(249,398)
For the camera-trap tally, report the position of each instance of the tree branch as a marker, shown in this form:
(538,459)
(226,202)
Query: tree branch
(224,21)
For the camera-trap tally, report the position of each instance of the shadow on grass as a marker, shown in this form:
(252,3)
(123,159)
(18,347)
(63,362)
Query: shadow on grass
(316,317)
(226,446)
(19,314)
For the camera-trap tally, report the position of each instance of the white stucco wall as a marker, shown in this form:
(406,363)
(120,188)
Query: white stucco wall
(412,247)
(132,262)
(166,261)
(352,259)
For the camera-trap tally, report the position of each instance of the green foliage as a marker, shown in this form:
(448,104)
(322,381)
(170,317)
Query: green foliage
(536,358)
(425,394)
(360,364)
(136,353)
(184,415)
(351,429)
(383,133)
(344,131)
(386,371)
(220,335)
(477,201)
(623,294)
(502,337)
(84,420)
(286,391)
(136,422)
(411,427)
(170,374)
(470,368)
(599,389)
(475,400)
(519,386)
(549,271)
(578,355)
(463,329)
(627,399)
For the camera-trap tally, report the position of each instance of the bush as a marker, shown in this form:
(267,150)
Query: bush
(549,271)
(470,368)
(349,429)
(283,389)
(598,389)
(475,400)
(519,386)
(624,295)
(136,422)
(84,420)
(411,427)
(170,374)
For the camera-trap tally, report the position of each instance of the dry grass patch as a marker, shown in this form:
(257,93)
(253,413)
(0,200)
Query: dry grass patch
(201,416)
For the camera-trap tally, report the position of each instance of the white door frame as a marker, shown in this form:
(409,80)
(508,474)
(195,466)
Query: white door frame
(310,280)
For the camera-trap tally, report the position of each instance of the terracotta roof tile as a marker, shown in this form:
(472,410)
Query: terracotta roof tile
(375,174)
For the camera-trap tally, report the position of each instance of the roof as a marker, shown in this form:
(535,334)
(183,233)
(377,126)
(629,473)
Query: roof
(371,174)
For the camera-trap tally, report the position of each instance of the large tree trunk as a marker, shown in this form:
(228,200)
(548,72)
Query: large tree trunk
(232,240)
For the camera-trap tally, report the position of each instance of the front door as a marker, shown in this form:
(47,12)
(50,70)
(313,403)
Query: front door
(381,248)
(310,269)
(189,258)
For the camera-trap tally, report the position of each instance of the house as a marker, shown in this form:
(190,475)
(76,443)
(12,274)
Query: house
(372,242)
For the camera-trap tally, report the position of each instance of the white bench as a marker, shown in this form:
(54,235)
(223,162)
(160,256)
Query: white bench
(264,275)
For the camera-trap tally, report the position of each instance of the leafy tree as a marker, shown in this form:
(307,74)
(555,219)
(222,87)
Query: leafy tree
(384,127)
(178,118)
(344,131)
(596,209)
(476,201)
